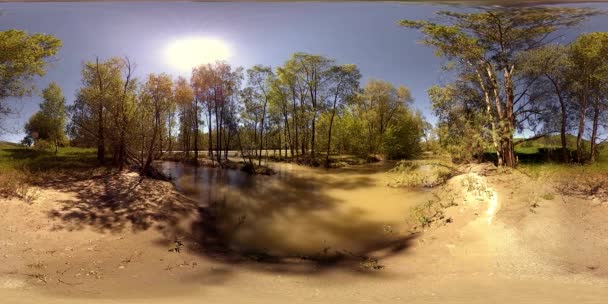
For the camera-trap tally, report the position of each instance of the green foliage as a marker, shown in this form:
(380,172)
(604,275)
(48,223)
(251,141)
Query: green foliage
(22,57)
(485,47)
(402,140)
(462,131)
(47,126)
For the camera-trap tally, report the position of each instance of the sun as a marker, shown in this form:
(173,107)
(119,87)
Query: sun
(186,53)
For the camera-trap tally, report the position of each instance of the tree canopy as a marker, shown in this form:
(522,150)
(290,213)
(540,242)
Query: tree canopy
(22,57)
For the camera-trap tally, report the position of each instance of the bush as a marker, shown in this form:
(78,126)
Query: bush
(402,141)
(44,145)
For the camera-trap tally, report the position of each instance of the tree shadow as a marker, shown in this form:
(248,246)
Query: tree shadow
(289,224)
(110,202)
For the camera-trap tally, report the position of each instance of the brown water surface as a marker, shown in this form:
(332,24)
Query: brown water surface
(300,211)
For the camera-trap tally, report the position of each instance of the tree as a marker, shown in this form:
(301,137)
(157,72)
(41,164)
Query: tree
(313,75)
(589,71)
(104,107)
(344,86)
(201,83)
(549,66)
(462,128)
(49,123)
(402,139)
(157,97)
(377,105)
(184,98)
(22,57)
(487,43)
(260,79)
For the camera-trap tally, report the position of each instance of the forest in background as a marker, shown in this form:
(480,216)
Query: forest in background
(514,74)
(306,110)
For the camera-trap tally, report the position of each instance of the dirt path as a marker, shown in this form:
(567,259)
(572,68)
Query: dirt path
(498,242)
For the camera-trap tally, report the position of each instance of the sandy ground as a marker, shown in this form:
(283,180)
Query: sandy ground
(113,239)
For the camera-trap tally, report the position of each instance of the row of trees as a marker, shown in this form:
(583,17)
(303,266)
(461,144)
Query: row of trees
(306,109)
(513,76)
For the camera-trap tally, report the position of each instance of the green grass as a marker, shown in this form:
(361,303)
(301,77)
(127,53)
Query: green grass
(17,157)
(526,150)
(572,174)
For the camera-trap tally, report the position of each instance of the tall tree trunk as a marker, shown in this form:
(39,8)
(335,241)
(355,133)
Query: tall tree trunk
(100,137)
(331,123)
(227,143)
(581,128)
(596,114)
(217,133)
(312,141)
(565,154)
(210,138)
(100,134)
(295,125)
(169,133)
(564,118)
(146,167)
(196,130)
(262,132)
(160,141)
(508,147)
(490,118)
(287,133)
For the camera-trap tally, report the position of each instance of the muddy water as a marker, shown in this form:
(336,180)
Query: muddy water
(300,210)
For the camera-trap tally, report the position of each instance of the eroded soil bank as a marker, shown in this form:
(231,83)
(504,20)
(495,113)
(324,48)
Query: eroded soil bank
(312,236)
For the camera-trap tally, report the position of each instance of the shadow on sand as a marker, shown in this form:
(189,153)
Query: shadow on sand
(270,224)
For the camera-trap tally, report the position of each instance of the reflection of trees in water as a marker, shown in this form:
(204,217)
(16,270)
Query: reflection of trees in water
(288,216)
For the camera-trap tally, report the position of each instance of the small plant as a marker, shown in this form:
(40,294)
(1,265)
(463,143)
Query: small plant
(38,265)
(548,196)
(368,263)
(27,193)
(178,246)
(533,206)
(424,221)
(388,229)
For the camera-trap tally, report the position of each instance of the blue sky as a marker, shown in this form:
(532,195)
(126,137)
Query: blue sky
(365,34)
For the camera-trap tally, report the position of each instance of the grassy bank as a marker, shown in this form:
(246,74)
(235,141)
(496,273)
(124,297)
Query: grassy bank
(21,167)
(17,157)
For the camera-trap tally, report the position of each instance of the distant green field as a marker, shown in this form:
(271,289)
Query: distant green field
(14,156)
(532,147)
(532,156)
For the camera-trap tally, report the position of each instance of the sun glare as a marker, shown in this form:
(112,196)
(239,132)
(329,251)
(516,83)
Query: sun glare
(184,54)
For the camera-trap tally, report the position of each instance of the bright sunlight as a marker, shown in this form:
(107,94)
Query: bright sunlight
(187,53)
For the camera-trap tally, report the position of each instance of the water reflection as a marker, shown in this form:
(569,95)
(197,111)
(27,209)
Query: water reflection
(300,211)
